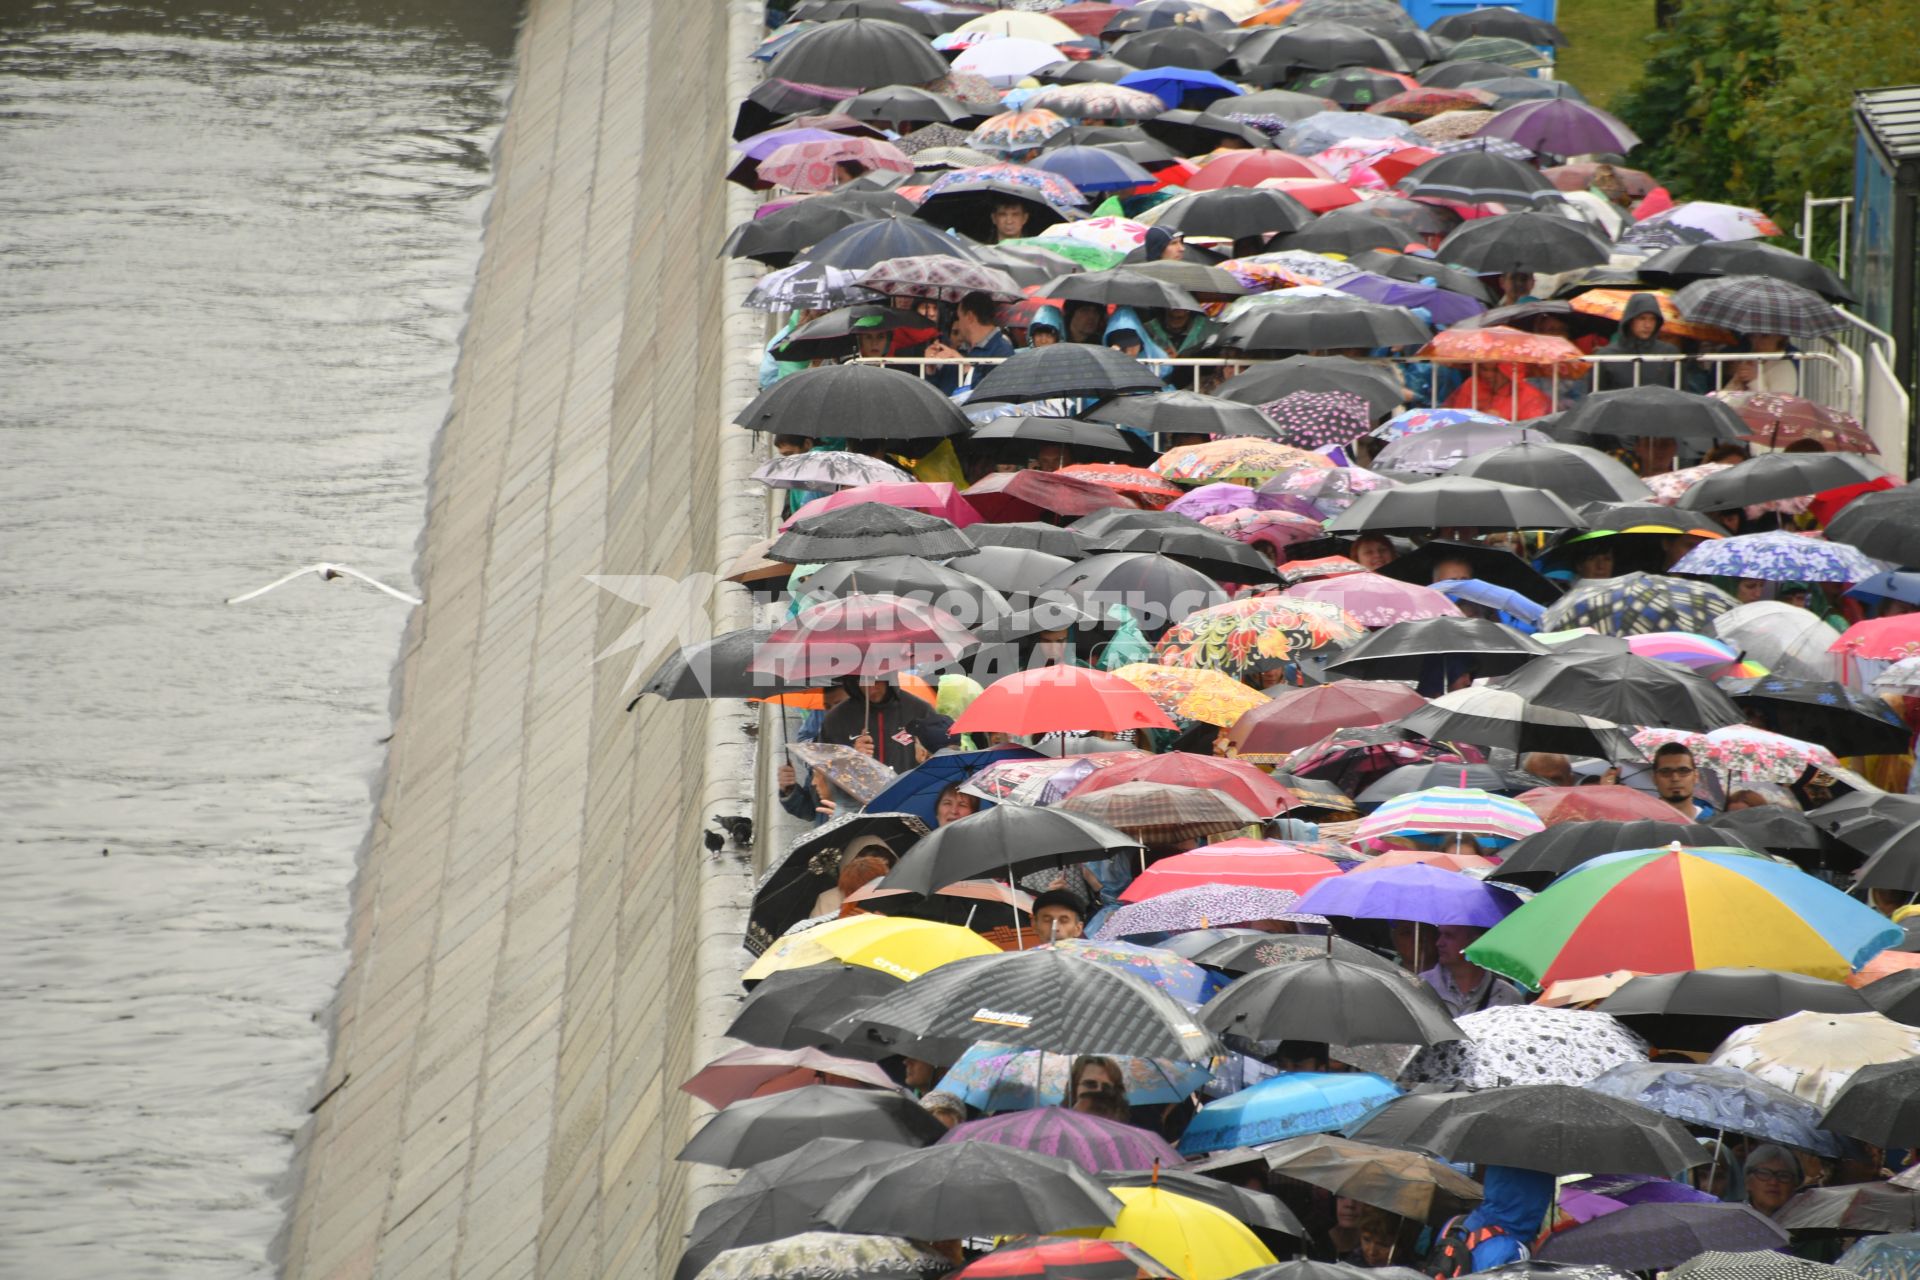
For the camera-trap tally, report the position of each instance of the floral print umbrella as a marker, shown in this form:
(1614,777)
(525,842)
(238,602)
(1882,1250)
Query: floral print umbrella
(807,286)
(1315,419)
(828,1255)
(1235,458)
(1017,130)
(992,1077)
(812,166)
(1098,102)
(1044,780)
(1352,759)
(938,276)
(1778,420)
(1329,492)
(1115,475)
(1204,907)
(1255,634)
(1499,344)
(1667,486)
(823,469)
(1276,529)
(1176,975)
(1286,268)
(1116,235)
(1415,421)
(1419,104)
(1051,186)
(1376,601)
(1742,754)
(1779,557)
(1526,1044)
(1193,693)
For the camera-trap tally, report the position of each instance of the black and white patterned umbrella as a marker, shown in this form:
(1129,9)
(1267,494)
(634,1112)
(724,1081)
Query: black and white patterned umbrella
(1527,1044)
(1757,1264)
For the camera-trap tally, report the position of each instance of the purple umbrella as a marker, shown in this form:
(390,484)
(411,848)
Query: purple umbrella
(762,145)
(1096,1145)
(1445,306)
(1421,893)
(1653,1237)
(1218,499)
(1204,907)
(1561,127)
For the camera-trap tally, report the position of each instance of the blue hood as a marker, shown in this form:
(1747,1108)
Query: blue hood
(1516,1200)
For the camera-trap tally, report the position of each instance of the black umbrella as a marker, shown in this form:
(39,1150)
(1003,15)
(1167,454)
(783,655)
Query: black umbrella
(1536,861)
(1052,539)
(1063,369)
(778,237)
(1456,73)
(1198,547)
(756,1129)
(770,101)
(1480,177)
(858,53)
(1686,262)
(1347,232)
(1653,1236)
(967,207)
(793,1008)
(1626,689)
(947,587)
(1236,212)
(1823,711)
(1119,287)
(1490,717)
(1068,431)
(867,530)
(1273,54)
(1088,71)
(1098,524)
(1196,278)
(1489,564)
(1186,413)
(1773,476)
(1446,502)
(1884,525)
(1401,1182)
(1571,471)
(1421,777)
(1195,133)
(1283,103)
(1774,829)
(1498,22)
(780,1197)
(1350,87)
(1245,951)
(1005,842)
(832,336)
(1391,1125)
(1897,996)
(1260,1211)
(926,24)
(811,866)
(1555,1128)
(1042,999)
(829,400)
(1321,322)
(903,103)
(1159,591)
(1166,13)
(1420,219)
(1406,650)
(878,239)
(1512,241)
(1265,383)
(1698,1009)
(1653,411)
(1864,821)
(1171,47)
(1895,864)
(715,668)
(963,1189)
(1865,1207)
(1331,1000)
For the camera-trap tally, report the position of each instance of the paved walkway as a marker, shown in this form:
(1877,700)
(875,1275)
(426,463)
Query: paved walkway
(540,942)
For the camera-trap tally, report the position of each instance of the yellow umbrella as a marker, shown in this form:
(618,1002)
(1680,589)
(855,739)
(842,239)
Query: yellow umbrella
(903,948)
(1194,1239)
(1193,693)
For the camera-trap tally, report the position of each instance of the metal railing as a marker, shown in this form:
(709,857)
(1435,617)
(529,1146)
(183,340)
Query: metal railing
(1809,205)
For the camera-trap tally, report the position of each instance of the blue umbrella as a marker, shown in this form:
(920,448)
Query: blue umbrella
(917,790)
(1884,1257)
(1182,87)
(1417,892)
(1778,557)
(1895,584)
(1505,599)
(1093,169)
(1291,1105)
(995,1077)
(1720,1098)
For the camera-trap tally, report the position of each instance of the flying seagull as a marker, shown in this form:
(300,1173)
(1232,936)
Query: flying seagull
(326,572)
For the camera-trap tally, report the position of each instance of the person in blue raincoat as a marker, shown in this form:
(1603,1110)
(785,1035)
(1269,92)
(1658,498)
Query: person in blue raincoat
(1127,333)
(1504,1227)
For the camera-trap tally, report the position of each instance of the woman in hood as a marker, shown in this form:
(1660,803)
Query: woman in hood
(1639,335)
(1127,332)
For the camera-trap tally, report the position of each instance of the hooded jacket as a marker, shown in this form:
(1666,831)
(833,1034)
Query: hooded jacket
(887,721)
(1516,1201)
(1614,377)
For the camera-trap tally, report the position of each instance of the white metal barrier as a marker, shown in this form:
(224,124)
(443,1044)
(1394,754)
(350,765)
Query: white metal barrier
(1810,204)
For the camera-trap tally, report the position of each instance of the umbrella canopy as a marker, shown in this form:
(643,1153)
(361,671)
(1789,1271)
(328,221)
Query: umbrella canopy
(992,1077)
(828,1254)
(1777,420)
(1007,840)
(1638,603)
(1490,717)
(1773,476)
(1814,1055)
(1651,1236)
(1193,1239)
(1198,547)
(1758,304)
(1158,590)
(1443,449)
(1652,411)
(1047,999)
(1669,910)
(752,1071)
(1158,813)
(1450,810)
(872,636)
(1375,601)
(1238,210)
(1233,459)
(1879,1104)
(1060,698)
(1540,859)
(1406,1183)
(1850,1209)
(1759,1265)
(1289,1105)
(1822,711)
(1778,557)
(1527,1045)
(1573,472)
(1028,493)
(793,1008)
(975,1189)
(1698,1009)
(1332,1000)
(1064,1259)
(1744,258)
(887,403)
(1315,419)
(1203,907)
(1562,127)
(1455,502)
(1626,689)
(758,1129)
(1185,413)
(1097,1145)
(1785,640)
(1255,634)
(1720,1098)
(1297,718)
(1254,864)
(858,53)
(1555,1128)
(1243,783)
(1481,177)
(811,865)
(1538,242)
(1424,894)
(1064,369)
(1405,650)
(903,948)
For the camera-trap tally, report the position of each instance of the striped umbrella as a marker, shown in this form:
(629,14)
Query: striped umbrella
(1686,649)
(1674,909)
(1255,864)
(1467,810)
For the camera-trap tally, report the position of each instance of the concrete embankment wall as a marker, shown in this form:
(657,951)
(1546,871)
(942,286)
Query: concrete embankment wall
(541,946)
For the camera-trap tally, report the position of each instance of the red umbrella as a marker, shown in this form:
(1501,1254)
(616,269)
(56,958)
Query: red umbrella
(754,1072)
(1008,496)
(1060,698)
(1256,864)
(1778,420)
(1251,168)
(1375,600)
(1251,786)
(1555,805)
(1401,163)
(1064,1260)
(1298,718)
(1088,17)
(1321,195)
(865,635)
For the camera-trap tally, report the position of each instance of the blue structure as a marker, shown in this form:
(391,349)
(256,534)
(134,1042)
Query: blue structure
(1886,219)
(1428,12)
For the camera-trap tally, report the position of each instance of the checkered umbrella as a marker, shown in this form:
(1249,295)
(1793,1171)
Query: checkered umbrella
(1758,304)
(1492,146)
(1156,812)
(1638,604)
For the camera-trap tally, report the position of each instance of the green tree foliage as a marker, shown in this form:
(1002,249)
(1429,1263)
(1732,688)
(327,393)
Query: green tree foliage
(1748,100)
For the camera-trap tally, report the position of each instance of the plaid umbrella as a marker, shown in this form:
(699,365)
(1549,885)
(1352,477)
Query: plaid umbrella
(1779,420)
(1156,812)
(937,276)
(1451,809)
(1758,304)
(1741,753)
(1098,102)
(1016,130)
(813,165)
(1527,1044)
(1096,1145)
(1191,693)
(1234,458)
(1255,634)
(807,286)
(993,1077)
(1204,907)
(1639,603)
(1779,557)
(1313,419)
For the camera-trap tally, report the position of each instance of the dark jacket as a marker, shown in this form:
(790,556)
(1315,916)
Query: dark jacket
(1616,376)
(886,721)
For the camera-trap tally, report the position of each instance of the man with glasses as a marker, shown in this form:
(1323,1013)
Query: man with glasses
(1674,778)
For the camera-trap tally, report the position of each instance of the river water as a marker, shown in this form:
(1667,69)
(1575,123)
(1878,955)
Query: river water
(236,244)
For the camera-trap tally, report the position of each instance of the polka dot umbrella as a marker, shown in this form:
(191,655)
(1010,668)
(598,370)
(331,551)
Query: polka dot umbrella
(1315,419)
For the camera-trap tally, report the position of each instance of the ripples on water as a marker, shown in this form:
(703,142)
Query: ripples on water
(236,244)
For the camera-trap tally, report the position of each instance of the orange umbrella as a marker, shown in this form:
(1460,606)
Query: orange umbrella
(1499,344)
(1136,480)
(1273,15)
(1612,304)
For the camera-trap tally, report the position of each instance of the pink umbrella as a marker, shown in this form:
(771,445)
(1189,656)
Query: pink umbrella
(754,1072)
(1376,601)
(936,498)
(814,165)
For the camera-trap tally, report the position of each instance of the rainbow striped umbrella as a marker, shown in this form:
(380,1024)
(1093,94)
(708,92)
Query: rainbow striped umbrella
(1449,809)
(1673,909)
(1687,649)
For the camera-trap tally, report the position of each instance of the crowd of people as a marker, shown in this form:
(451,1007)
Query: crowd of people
(1343,697)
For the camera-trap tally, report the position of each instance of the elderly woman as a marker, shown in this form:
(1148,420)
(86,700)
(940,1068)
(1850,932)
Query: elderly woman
(1772,1176)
